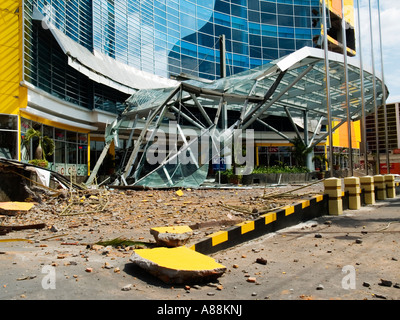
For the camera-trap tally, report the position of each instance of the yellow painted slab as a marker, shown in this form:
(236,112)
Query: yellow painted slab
(305,203)
(16,206)
(219,237)
(179,258)
(176,229)
(246,226)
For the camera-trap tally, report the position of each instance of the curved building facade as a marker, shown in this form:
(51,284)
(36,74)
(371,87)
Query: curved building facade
(67,66)
(181,36)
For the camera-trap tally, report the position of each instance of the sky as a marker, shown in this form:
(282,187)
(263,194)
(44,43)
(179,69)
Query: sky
(390,22)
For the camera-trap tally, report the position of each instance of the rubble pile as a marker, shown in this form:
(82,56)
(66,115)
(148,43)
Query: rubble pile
(95,215)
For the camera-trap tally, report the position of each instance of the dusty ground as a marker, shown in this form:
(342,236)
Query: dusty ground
(303,262)
(101,215)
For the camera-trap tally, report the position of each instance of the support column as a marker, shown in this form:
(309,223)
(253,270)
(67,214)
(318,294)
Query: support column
(352,185)
(390,186)
(333,188)
(379,181)
(367,183)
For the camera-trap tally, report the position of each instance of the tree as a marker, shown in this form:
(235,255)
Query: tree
(320,161)
(300,151)
(45,146)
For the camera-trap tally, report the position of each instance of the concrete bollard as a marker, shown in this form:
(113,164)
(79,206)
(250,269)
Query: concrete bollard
(333,188)
(390,186)
(379,181)
(352,185)
(367,183)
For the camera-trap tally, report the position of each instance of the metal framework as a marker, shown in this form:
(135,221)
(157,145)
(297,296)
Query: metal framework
(291,87)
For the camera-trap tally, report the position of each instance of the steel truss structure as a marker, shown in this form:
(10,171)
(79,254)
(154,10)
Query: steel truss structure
(293,87)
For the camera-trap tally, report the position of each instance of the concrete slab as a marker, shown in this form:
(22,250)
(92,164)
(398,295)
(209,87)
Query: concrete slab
(178,265)
(13,207)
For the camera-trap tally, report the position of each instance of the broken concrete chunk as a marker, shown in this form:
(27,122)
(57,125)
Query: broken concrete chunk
(178,265)
(385,283)
(13,207)
(172,236)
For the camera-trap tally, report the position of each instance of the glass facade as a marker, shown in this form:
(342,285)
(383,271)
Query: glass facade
(71,148)
(177,36)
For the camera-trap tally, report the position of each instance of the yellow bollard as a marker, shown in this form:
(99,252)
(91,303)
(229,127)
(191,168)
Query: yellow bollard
(367,183)
(333,188)
(352,185)
(390,186)
(379,182)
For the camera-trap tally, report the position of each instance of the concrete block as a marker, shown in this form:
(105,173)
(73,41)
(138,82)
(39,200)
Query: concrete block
(333,188)
(390,186)
(335,207)
(178,265)
(367,183)
(380,186)
(352,185)
(171,236)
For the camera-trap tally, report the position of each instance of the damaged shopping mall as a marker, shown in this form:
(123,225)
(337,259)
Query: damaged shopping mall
(227,119)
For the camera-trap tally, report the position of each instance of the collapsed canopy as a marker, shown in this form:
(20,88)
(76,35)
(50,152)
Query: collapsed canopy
(293,86)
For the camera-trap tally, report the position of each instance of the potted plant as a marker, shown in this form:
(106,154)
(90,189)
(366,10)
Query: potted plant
(230,176)
(320,160)
(44,148)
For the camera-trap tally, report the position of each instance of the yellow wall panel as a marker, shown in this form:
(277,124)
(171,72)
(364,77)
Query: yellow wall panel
(12,97)
(340,136)
(336,7)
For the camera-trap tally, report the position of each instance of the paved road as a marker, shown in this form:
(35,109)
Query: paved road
(341,257)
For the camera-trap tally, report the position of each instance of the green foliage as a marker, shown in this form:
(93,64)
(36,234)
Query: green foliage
(122,242)
(281,169)
(46,145)
(300,151)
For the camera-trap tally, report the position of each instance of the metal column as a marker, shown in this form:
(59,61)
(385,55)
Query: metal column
(346,78)
(363,116)
(378,169)
(383,92)
(328,87)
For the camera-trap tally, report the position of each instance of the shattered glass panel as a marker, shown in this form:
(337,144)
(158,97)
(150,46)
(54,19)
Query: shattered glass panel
(175,173)
(148,98)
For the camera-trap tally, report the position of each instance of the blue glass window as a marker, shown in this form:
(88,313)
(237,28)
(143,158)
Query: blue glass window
(285,21)
(286,44)
(268,18)
(222,6)
(268,7)
(238,11)
(267,30)
(270,54)
(270,42)
(255,52)
(254,16)
(286,32)
(171,36)
(254,5)
(255,40)
(285,9)
(254,28)
(222,19)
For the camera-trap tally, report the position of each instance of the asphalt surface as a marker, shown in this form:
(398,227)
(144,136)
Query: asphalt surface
(339,258)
